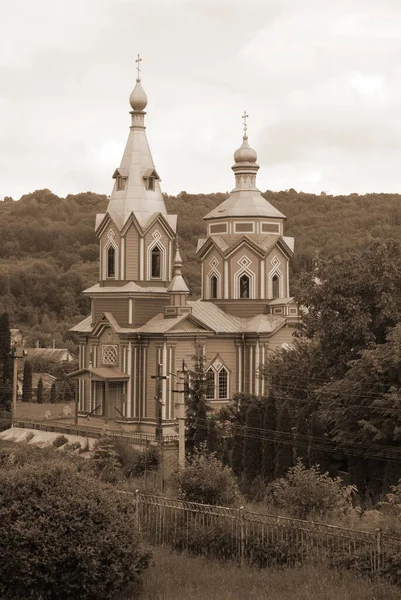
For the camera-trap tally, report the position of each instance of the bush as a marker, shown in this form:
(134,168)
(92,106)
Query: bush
(66,535)
(307,492)
(205,479)
(135,462)
(59,441)
(106,461)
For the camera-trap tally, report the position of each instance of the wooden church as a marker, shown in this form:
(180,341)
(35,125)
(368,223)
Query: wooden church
(142,323)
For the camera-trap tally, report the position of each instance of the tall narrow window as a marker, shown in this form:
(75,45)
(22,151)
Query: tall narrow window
(156,262)
(210,385)
(120,183)
(111,262)
(276,286)
(244,286)
(223,383)
(213,286)
(151,183)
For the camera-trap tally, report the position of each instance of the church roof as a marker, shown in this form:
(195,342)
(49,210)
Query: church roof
(263,243)
(137,165)
(130,287)
(245,203)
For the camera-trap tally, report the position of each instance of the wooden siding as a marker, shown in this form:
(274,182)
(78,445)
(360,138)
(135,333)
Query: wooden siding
(243,308)
(227,351)
(282,336)
(117,306)
(146,308)
(283,268)
(132,254)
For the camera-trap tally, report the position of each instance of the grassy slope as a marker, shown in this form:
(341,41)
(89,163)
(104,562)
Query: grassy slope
(180,577)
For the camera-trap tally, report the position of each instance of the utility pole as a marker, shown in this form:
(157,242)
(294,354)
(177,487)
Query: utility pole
(159,418)
(181,414)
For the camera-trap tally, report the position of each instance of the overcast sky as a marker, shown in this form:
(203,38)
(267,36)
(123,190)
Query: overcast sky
(321,81)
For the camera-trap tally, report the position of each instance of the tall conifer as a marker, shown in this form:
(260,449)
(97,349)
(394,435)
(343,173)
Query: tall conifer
(27,382)
(6,362)
(284,445)
(39,391)
(268,451)
(252,448)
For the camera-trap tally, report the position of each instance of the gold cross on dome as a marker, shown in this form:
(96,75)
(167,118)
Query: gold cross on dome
(244,118)
(138,64)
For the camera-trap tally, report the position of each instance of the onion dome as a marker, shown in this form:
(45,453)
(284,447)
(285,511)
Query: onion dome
(245,153)
(138,99)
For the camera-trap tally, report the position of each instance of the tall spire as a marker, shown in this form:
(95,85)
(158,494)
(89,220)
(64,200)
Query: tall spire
(245,167)
(178,289)
(137,189)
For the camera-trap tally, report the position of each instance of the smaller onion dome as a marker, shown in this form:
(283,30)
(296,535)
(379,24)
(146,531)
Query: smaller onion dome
(138,99)
(245,153)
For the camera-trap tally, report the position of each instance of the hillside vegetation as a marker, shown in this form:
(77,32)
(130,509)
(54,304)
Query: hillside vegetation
(49,252)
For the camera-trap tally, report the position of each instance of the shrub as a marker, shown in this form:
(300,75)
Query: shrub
(66,535)
(135,462)
(205,479)
(29,436)
(306,492)
(72,446)
(59,441)
(105,460)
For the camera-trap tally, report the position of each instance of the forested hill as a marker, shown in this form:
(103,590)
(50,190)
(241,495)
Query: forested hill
(49,253)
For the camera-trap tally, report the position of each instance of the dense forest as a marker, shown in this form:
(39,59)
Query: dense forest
(49,252)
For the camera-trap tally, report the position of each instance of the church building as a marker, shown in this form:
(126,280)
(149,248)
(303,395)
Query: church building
(142,323)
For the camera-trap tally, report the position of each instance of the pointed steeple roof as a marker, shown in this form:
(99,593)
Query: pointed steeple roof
(245,199)
(177,284)
(137,188)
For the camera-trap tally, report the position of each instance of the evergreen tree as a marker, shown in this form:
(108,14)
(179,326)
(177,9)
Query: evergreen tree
(27,382)
(197,406)
(237,454)
(284,445)
(301,446)
(53,393)
(39,391)
(268,451)
(6,363)
(252,448)
(318,456)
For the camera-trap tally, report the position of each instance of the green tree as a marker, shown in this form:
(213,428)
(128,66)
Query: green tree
(284,445)
(252,446)
(268,450)
(197,389)
(6,362)
(27,382)
(39,392)
(65,535)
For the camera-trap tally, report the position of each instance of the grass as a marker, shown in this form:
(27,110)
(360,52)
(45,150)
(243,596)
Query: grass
(180,577)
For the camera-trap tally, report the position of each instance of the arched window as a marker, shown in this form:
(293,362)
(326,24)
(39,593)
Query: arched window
(223,384)
(156,262)
(276,286)
(244,286)
(213,286)
(210,385)
(111,262)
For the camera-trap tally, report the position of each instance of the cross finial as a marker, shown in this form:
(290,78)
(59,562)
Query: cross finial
(138,65)
(244,118)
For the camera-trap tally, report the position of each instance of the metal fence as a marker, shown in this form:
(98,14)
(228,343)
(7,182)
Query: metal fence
(133,437)
(259,539)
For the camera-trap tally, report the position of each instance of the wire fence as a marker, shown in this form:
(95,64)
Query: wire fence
(262,540)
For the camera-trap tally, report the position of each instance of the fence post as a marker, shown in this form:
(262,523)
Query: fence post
(379,551)
(242,533)
(137,500)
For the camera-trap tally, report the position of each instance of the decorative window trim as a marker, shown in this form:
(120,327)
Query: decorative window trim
(222,225)
(252,223)
(209,285)
(270,223)
(121,183)
(244,270)
(109,354)
(273,272)
(217,367)
(111,242)
(163,259)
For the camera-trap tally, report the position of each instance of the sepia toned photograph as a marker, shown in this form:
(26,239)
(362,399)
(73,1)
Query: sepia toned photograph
(200,300)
